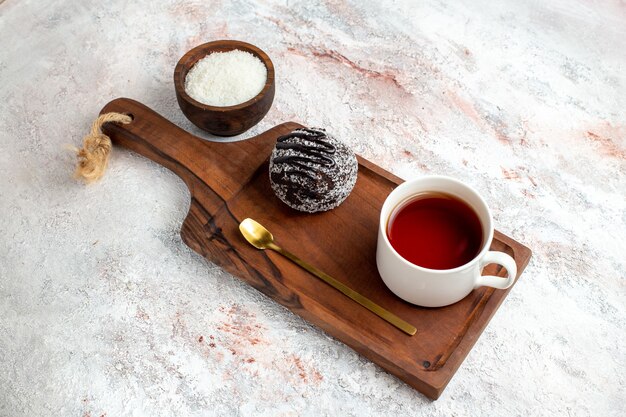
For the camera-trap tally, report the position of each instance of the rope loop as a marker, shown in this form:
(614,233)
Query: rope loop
(94,155)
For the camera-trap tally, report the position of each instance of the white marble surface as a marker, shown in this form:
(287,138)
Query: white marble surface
(105,312)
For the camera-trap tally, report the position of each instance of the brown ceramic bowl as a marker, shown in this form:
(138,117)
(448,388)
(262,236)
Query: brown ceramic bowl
(227,120)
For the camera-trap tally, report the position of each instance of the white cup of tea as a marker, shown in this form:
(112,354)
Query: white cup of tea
(433,242)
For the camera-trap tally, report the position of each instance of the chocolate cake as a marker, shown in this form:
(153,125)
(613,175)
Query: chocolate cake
(312,171)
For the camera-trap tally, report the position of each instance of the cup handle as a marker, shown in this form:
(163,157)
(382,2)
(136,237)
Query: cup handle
(499,258)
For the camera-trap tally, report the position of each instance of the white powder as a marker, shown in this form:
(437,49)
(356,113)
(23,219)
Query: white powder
(226,78)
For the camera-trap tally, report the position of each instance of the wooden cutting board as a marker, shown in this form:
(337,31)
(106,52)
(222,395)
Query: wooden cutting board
(230,181)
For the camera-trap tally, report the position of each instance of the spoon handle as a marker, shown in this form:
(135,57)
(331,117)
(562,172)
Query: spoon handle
(364,301)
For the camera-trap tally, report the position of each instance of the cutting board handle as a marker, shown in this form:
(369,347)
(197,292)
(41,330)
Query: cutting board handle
(222,167)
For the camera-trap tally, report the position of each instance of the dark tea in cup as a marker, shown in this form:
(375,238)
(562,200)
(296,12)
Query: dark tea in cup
(434,236)
(436,231)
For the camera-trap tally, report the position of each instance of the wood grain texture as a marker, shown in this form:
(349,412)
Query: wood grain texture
(227,120)
(230,181)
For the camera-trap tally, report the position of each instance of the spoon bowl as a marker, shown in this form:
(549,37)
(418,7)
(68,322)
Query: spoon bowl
(257,235)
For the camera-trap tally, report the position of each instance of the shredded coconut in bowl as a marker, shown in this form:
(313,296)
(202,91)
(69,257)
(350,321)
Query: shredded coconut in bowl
(226,78)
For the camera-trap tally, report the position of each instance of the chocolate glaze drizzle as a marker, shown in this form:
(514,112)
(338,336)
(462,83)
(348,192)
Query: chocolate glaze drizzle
(319,153)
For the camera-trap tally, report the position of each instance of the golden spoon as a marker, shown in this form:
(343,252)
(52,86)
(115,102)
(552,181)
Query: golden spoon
(261,238)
